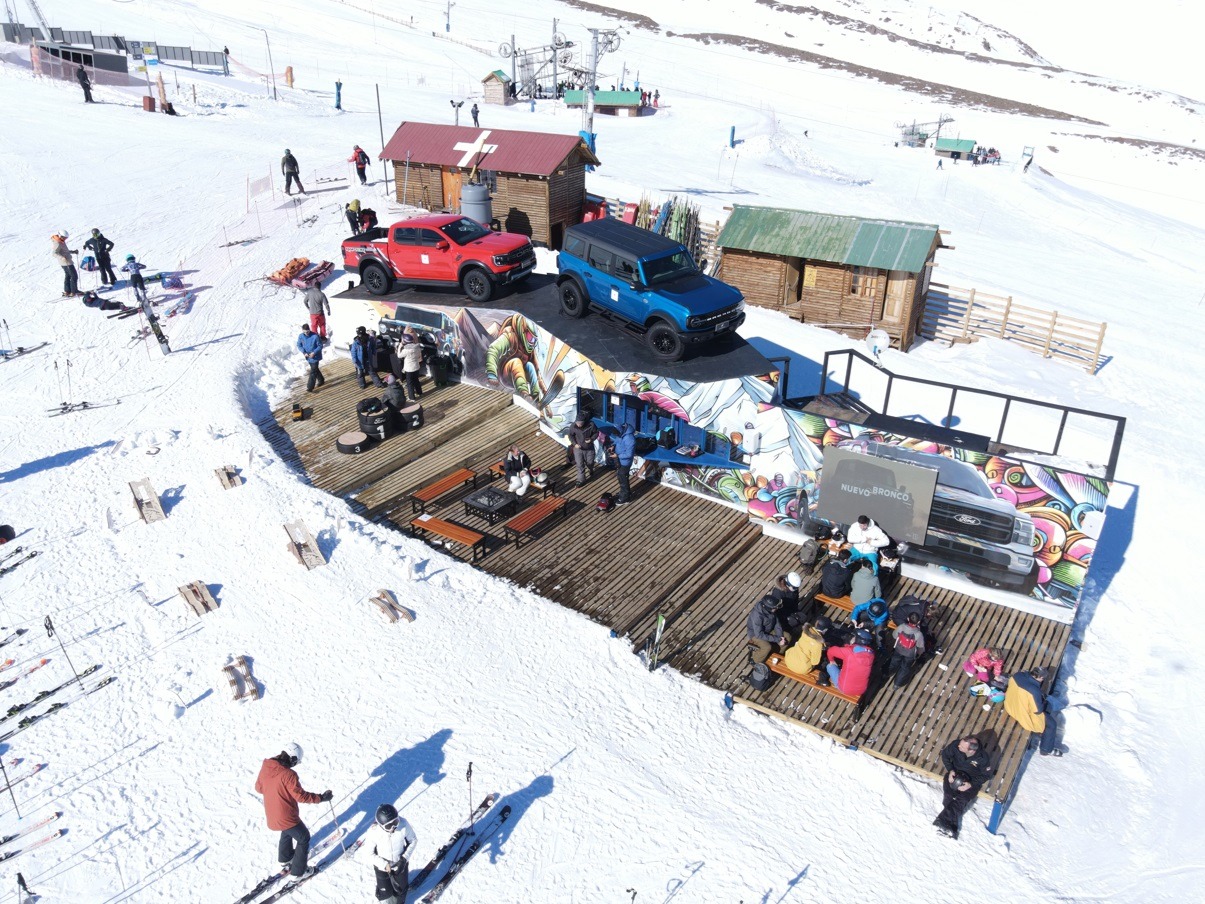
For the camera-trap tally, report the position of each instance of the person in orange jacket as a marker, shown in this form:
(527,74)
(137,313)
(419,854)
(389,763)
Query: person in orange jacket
(282,792)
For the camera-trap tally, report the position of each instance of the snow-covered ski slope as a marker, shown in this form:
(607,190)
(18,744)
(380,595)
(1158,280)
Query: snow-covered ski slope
(618,779)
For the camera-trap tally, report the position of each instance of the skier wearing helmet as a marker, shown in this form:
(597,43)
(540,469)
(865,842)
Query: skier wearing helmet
(360,159)
(282,792)
(101,248)
(62,257)
(389,841)
(137,283)
(290,170)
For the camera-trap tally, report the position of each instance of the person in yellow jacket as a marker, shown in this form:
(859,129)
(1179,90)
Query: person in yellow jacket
(1026,702)
(805,655)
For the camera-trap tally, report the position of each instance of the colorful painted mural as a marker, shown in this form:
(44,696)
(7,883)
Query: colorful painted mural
(781,448)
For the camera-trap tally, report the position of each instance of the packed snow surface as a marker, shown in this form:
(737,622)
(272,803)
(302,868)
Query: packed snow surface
(620,780)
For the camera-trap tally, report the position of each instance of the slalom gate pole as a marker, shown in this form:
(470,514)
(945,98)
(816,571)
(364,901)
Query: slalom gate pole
(9,785)
(50,632)
(338,828)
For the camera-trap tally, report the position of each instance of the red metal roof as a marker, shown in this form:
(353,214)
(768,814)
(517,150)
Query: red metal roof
(528,153)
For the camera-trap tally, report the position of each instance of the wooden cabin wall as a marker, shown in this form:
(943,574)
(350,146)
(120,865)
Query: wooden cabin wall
(760,277)
(423,188)
(520,204)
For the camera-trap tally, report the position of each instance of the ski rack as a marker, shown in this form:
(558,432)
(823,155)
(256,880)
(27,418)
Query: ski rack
(146,500)
(198,597)
(242,684)
(229,476)
(390,607)
(303,546)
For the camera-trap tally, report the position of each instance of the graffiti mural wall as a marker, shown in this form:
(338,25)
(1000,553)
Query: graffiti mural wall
(1059,513)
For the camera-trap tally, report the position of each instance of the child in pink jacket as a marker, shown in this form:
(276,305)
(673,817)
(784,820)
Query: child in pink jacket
(985,665)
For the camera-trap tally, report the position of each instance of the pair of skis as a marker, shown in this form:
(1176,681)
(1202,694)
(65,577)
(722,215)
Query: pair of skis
(15,634)
(70,407)
(17,708)
(315,852)
(5,685)
(31,720)
(13,562)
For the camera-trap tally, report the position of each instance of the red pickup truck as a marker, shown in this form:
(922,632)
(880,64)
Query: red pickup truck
(439,250)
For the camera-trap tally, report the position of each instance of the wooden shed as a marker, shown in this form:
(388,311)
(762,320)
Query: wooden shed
(537,180)
(612,103)
(954,148)
(497,86)
(844,273)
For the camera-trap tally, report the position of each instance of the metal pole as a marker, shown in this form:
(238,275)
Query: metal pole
(588,113)
(514,53)
(556,82)
(469,778)
(338,829)
(50,633)
(448,20)
(381,124)
(271,66)
(8,785)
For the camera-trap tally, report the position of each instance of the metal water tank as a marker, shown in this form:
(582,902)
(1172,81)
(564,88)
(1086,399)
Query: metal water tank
(475,203)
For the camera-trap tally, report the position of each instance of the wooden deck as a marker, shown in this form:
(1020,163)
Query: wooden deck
(707,567)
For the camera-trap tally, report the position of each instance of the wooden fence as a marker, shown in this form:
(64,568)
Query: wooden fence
(955,314)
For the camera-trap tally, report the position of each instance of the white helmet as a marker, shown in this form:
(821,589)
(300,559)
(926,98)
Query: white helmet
(294,750)
(63,233)
(794,580)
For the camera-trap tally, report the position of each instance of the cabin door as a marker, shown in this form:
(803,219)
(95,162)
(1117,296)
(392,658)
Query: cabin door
(898,283)
(451,180)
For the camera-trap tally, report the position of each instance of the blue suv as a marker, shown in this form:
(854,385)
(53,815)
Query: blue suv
(648,283)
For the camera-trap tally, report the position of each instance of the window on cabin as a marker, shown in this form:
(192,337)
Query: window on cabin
(864,281)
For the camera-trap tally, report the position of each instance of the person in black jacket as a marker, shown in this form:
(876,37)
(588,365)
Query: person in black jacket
(517,467)
(764,630)
(967,768)
(100,248)
(581,440)
(786,591)
(291,171)
(835,576)
(81,76)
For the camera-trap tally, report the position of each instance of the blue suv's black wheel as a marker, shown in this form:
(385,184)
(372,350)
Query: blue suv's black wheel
(573,304)
(664,341)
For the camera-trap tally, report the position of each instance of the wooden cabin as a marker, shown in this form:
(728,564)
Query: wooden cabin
(537,180)
(497,87)
(953,148)
(844,273)
(611,103)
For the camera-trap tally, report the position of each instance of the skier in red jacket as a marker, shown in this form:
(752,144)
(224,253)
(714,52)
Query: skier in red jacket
(849,667)
(282,792)
(360,159)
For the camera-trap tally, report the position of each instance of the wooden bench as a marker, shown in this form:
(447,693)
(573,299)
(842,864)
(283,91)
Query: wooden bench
(420,499)
(776,665)
(498,470)
(526,522)
(845,604)
(449,531)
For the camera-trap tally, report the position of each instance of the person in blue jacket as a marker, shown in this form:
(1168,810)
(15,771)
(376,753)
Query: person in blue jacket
(625,450)
(875,609)
(309,344)
(364,357)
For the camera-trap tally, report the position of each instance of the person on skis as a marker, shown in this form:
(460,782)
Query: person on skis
(81,76)
(101,248)
(389,842)
(291,172)
(62,257)
(282,792)
(360,159)
(137,283)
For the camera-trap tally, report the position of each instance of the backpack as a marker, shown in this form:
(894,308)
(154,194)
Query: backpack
(88,263)
(760,677)
(362,158)
(809,554)
(905,641)
(606,503)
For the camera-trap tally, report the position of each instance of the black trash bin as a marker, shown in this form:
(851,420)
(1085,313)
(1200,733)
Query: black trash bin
(375,418)
(440,367)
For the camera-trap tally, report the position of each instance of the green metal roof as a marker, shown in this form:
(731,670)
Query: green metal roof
(885,244)
(963,146)
(604,98)
(499,75)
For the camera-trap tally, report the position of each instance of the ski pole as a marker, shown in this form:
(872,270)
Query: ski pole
(70,391)
(472,810)
(338,828)
(22,887)
(50,633)
(59,379)
(9,785)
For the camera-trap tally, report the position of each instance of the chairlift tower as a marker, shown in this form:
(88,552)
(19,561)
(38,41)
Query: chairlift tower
(37,11)
(601,41)
(527,67)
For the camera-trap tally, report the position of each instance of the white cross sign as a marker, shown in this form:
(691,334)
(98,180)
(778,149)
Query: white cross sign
(472,150)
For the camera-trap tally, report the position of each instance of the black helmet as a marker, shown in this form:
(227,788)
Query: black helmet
(387,817)
(361,331)
(863,637)
(774,602)
(823,623)
(878,608)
